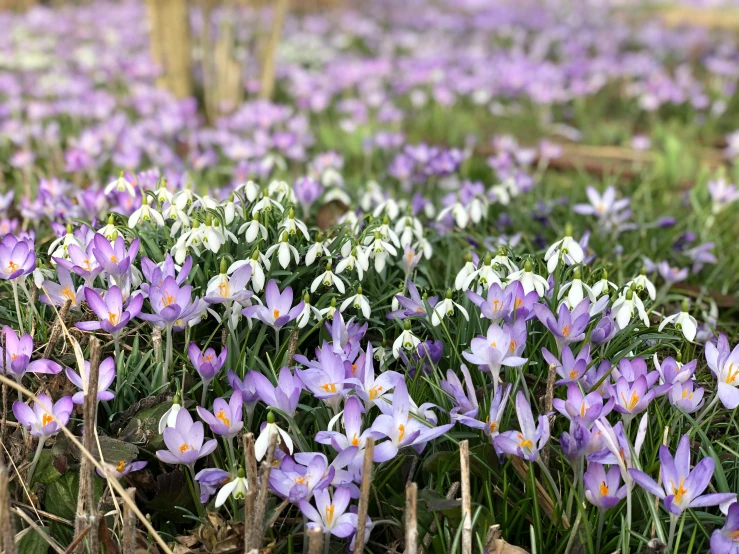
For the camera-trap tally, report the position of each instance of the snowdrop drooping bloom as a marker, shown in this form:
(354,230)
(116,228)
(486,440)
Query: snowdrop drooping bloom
(458,212)
(682,321)
(407,340)
(145,213)
(327,278)
(121,184)
(235,487)
(269,430)
(359,301)
(625,306)
(642,282)
(446,307)
(358,259)
(253,229)
(467,269)
(603,286)
(567,246)
(292,225)
(284,249)
(529,280)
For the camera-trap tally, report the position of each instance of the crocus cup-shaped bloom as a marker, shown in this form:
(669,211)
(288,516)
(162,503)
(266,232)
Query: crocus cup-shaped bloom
(113,315)
(371,389)
(462,394)
(631,398)
(123,468)
(589,407)
(246,388)
(206,363)
(498,304)
(412,306)
(326,379)
(156,273)
(687,396)
(225,288)
(682,487)
(724,364)
(494,350)
(115,258)
(59,293)
(173,306)
(226,418)
(566,326)
(572,368)
(726,539)
(284,396)
(17,257)
(602,488)
(39,419)
(106,376)
(16,360)
(82,262)
(296,479)
(353,434)
(278,309)
(330,515)
(673,373)
(184,441)
(210,480)
(532,437)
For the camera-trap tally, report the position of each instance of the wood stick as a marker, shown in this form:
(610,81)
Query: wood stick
(7,533)
(548,402)
(369,450)
(250,499)
(263,496)
(129,524)
(267,80)
(411,519)
(464,462)
(86,508)
(315,540)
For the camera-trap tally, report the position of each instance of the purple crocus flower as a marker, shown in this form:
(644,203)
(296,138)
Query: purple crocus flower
(497,409)
(726,539)
(632,369)
(532,437)
(206,363)
(16,360)
(59,293)
(331,515)
(603,489)
(297,478)
(284,396)
(106,376)
(401,428)
(588,407)
(672,275)
(227,289)
(226,418)
(173,306)
(604,330)
(326,378)
(497,305)
(156,273)
(210,480)
(82,262)
(122,469)
(110,309)
(39,420)
(494,350)
(426,356)
(631,397)
(463,394)
(687,396)
(184,442)
(278,309)
(413,306)
(567,326)
(372,390)
(572,368)
(17,257)
(247,388)
(673,373)
(682,488)
(115,259)
(579,441)
(724,364)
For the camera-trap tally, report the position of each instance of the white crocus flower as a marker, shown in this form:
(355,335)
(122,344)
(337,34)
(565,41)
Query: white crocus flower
(145,213)
(567,247)
(446,308)
(253,229)
(292,225)
(467,269)
(121,184)
(327,278)
(529,280)
(284,249)
(169,418)
(459,213)
(683,321)
(407,340)
(625,306)
(380,250)
(642,282)
(358,259)
(261,445)
(236,488)
(359,301)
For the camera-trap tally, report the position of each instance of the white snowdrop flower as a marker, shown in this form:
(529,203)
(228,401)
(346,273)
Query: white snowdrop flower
(358,301)
(283,249)
(407,340)
(459,213)
(266,203)
(251,190)
(121,184)
(572,293)
(604,286)
(389,206)
(229,210)
(329,312)
(346,247)
(213,237)
(109,229)
(501,260)
(332,177)
(309,312)
(446,308)
(501,194)
(387,233)
(477,209)
(423,245)
(169,418)
(467,269)
(358,259)
(529,280)
(179,211)
(258,263)
(293,225)
(163,194)
(682,321)
(281,191)
(642,282)
(253,229)
(625,306)
(236,488)
(567,246)
(60,246)
(485,275)
(379,250)
(145,213)
(316,250)
(261,445)
(336,194)
(327,278)
(350,219)
(408,229)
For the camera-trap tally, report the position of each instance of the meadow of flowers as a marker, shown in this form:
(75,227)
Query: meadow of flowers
(389,310)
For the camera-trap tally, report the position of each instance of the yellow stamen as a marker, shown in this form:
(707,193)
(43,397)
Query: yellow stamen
(632,402)
(329,387)
(184,448)
(222,416)
(355,440)
(45,420)
(603,489)
(330,514)
(525,443)
(375,392)
(120,467)
(276,313)
(680,490)
(401,429)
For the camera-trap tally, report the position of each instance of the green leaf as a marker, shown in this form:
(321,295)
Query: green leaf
(61,496)
(33,543)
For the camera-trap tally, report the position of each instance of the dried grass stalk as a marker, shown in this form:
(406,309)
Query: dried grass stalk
(7,533)
(369,450)
(129,523)
(464,463)
(315,541)
(411,518)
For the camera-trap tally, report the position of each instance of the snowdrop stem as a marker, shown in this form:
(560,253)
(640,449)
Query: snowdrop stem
(17,306)
(36,457)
